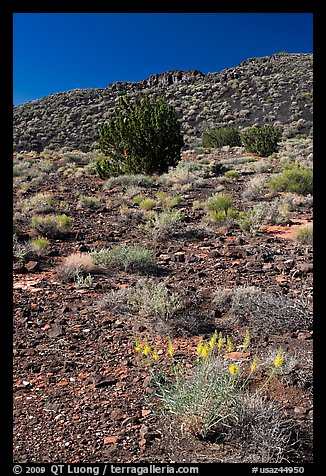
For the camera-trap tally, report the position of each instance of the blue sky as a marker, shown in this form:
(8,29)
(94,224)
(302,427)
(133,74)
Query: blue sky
(55,52)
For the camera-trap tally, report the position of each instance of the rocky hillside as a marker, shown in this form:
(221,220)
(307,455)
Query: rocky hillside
(276,88)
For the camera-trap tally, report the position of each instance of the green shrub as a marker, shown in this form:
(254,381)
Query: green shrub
(229,215)
(219,137)
(168,202)
(126,258)
(40,244)
(294,179)
(207,401)
(138,199)
(147,204)
(261,140)
(219,202)
(144,136)
(232,174)
(89,202)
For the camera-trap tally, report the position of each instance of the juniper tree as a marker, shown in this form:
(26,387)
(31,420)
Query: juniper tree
(142,137)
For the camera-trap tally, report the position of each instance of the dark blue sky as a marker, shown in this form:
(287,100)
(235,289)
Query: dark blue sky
(56,52)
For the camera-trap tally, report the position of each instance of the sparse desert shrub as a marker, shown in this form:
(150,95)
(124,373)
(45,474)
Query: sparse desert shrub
(52,226)
(205,402)
(229,216)
(263,310)
(266,213)
(89,202)
(22,250)
(303,235)
(261,140)
(147,298)
(136,180)
(263,433)
(150,297)
(125,258)
(254,189)
(167,202)
(219,137)
(117,302)
(212,400)
(161,225)
(76,265)
(38,203)
(295,179)
(144,136)
(84,281)
(294,200)
(179,176)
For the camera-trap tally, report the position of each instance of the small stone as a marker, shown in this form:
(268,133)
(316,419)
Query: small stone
(179,256)
(103,380)
(237,355)
(65,309)
(84,248)
(56,331)
(110,440)
(19,268)
(147,382)
(118,415)
(32,266)
(303,267)
(164,257)
(304,335)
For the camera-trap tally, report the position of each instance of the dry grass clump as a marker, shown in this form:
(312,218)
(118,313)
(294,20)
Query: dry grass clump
(76,265)
(303,235)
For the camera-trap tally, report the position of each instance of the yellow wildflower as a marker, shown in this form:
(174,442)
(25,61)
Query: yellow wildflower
(234,369)
(138,346)
(229,344)
(170,348)
(278,361)
(200,346)
(220,340)
(155,355)
(246,342)
(146,349)
(213,340)
(205,351)
(253,365)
